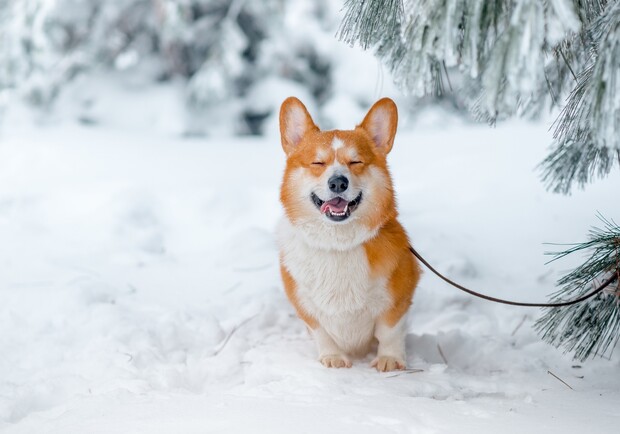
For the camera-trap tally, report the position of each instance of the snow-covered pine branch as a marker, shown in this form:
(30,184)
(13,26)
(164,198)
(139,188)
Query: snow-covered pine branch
(587,139)
(510,57)
(592,327)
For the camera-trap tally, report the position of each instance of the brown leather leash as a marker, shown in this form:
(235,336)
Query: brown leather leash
(600,288)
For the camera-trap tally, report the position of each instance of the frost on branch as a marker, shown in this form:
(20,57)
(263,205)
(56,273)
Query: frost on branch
(498,46)
(510,57)
(587,139)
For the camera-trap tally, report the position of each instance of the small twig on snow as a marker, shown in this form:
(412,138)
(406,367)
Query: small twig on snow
(232,332)
(563,382)
(445,361)
(519,325)
(405,372)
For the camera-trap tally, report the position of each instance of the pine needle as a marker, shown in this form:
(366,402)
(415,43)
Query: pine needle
(558,378)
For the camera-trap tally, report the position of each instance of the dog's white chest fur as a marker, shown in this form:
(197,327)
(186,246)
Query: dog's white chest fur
(335,287)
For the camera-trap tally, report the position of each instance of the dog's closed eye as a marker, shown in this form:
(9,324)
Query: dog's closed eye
(318,163)
(352,163)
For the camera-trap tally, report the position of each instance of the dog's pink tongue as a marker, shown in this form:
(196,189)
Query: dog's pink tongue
(337,204)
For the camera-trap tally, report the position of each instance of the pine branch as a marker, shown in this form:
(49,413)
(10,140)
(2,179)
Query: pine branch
(592,327)
(513,56)
(576,161)
(586,132)
(369,22)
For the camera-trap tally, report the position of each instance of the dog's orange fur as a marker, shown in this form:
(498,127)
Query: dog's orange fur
(291,292)
(388,252)
(388,255)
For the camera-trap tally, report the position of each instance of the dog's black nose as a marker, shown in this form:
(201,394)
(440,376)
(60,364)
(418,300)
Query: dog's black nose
(338,184)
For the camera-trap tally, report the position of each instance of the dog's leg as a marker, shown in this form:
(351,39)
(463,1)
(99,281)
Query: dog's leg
(390,328)
(329,353)
(391,350)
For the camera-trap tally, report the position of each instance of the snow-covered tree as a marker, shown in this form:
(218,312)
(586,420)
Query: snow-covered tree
(501,58)
(510,57)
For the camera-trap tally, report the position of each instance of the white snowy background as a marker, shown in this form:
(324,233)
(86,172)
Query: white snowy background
(139,283)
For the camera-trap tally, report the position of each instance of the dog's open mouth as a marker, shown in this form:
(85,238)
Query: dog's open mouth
(336,209)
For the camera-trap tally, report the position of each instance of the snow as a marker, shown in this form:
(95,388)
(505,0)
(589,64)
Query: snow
(139,286)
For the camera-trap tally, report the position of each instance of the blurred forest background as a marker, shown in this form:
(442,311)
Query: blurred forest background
(226,63)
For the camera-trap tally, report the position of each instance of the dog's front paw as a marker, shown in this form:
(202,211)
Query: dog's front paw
(388,363)
(335,361)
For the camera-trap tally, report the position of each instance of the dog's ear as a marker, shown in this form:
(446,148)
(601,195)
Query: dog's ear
(380,123)
(295,122)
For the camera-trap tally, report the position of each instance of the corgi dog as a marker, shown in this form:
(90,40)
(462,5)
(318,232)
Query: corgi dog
(344,257)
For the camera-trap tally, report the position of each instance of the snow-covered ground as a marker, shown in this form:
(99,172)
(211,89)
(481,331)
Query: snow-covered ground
(139,289)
